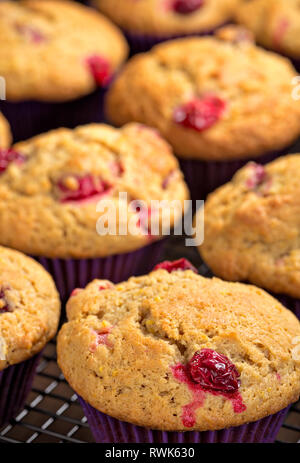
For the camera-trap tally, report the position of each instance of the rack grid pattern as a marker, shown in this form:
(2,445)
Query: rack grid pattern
(52,413)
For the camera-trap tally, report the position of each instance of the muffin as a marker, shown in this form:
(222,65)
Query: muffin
(220,101)
(57,58)
(29,315)
(173,351)
(63,190)
(5,135)
(252,227)
(275,24)
(147,22)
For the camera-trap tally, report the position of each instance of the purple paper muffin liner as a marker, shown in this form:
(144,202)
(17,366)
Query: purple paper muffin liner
(15,385)
(106,429)
(203,177)
(31,118)
(69,274)
(290,302)
(144,42)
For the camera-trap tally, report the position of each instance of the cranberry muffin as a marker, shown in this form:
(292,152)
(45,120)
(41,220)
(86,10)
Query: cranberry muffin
(59,188)
(174,351)
(55,52)
(219,101)
(147,22)
(29,315)
(5,135)
(252,227)
(275,24)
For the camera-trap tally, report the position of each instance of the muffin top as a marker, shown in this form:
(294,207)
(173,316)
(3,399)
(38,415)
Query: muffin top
(213,98)
(5,134)
(51,189)
(275,23)
(252,227)
(165,17)
(56,50)
(29,307)
(176,351)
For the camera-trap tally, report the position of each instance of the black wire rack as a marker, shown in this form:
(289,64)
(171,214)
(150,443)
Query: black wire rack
(52,413)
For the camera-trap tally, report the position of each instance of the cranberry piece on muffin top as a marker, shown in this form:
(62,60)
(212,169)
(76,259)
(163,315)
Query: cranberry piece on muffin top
(214,371)
(208,372)
(172,266)
(75,188)
(280,31)
(187,6)
(201,113)
(258,176)
(4,304)
(100,69)
(101,337)
(30,33)
(117,168)
(7,156)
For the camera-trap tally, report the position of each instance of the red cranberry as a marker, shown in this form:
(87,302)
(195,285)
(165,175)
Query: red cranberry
(75,292)
(201,113)
(4,305)
(280,32)
(100,69)
(101,338)
(87,187)
(105,286)
(168,179)
(144,217)
(4,309)
(187,6)
(214,371)
(117,168)
(33,34)
(258,176)
(180,264)
(7,156)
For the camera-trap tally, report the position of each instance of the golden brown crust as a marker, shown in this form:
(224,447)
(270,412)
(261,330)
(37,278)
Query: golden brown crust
(5,133)
(158,16)
(159,320)
(253,233)
(275,24)
(34,307)
(45,45)
(260,114)
(133,160)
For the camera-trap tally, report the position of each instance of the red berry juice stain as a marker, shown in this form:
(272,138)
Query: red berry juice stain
(208,372)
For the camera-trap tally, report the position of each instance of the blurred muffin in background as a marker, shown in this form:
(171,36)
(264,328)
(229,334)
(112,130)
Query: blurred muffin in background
(274,23)
(252,229)
(220,101)
(50,201)
(57,58)
(147,22)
